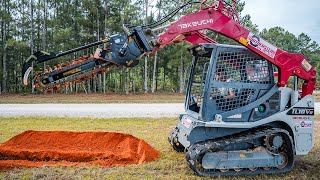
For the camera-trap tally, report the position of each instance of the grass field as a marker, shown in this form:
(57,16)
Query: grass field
(96,98)
(170,164)
(92,98)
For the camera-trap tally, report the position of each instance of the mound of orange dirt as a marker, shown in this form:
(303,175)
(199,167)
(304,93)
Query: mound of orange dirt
(61,148)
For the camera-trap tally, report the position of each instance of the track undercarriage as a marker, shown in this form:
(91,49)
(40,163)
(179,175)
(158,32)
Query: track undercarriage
(269,151)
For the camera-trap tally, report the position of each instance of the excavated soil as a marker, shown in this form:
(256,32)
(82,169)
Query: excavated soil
(62,148)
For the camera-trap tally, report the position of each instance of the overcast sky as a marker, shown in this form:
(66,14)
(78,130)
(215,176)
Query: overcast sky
(296,16)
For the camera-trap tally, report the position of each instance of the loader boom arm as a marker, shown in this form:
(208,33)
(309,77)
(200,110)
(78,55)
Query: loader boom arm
(222,20)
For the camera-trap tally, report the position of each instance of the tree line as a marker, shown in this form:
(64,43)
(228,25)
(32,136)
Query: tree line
(27,26)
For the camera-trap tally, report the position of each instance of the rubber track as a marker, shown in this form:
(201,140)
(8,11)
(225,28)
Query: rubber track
(197,150)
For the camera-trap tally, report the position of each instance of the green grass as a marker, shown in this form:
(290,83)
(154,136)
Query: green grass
(170,164)
(91,98)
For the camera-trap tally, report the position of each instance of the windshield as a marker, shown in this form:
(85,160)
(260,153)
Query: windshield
(198,84)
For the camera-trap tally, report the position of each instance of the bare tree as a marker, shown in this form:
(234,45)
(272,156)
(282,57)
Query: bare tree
(155,59)
(181,74)
(32,41)
(135,80)
(127,80)
(105,45)
(146,58)
(4,65)
(4,54)
(89,86)
(94,79)
(44,30)
(104,82)
(98,38)
(154,72)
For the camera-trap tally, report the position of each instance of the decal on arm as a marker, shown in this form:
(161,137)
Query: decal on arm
(262,45)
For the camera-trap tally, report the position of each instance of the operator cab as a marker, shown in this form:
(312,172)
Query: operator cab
(224,79)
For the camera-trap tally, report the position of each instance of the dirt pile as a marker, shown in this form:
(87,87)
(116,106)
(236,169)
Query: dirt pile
(62,148)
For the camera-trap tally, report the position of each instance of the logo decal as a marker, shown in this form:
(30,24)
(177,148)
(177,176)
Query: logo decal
(236,116)
(186,122)
(306,124)
(301,111)
(254,41)
(196,23)
(262,45)
(306,65)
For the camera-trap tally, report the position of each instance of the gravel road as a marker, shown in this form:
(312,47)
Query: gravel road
(92,110)
(96,110)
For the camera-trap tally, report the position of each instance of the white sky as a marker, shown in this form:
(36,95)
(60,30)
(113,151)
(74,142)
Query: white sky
(296,16)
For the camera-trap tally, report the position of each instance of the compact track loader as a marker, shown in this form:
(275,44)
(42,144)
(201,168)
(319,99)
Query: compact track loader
(259,130)
(241,117)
